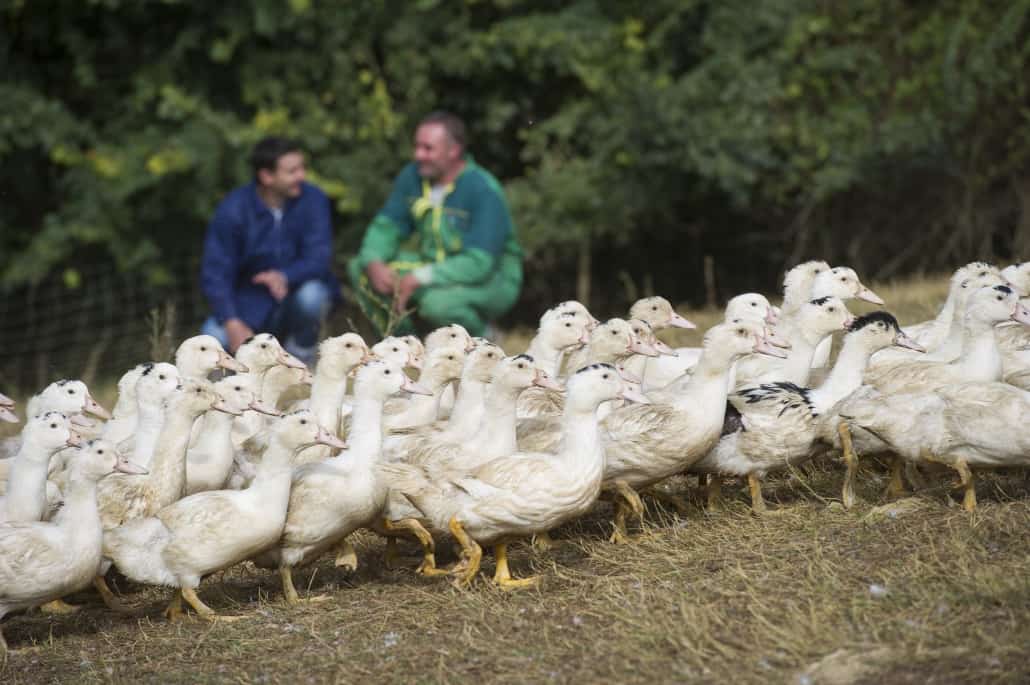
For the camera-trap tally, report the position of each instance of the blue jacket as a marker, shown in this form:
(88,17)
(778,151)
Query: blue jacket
(242,241)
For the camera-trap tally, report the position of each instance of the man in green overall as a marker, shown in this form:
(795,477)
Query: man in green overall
(443,243)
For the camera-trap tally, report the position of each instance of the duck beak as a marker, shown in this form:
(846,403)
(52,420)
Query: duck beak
(641,347)
(6,401)
(1021,314)
(677,321)
(628,375)
(415,388)
(287,359)
(220,405)
(6,414)
(94,408)
(543,380)
(262,407)
(763,347)
(848,322)
(631,395)
(123,465)
(74,439)
(902,340)
(470,345)
(585,338)
(80,421)
(869,296)
(226,361)
(327,438)
(662,348)
(771,316)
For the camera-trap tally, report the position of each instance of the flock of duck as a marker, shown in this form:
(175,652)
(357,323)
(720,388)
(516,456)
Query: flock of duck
(187,476)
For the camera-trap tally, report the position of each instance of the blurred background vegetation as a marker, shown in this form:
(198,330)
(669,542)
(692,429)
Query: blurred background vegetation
(638,141)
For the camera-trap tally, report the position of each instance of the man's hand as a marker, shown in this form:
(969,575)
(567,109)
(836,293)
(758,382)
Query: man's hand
(237,331)
(275,281)
(405,288)
(382,277)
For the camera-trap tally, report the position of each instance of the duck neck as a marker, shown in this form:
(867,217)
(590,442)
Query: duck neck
(327,395)
(168,467)
(709,384)
(276,464)
(79,508)
(501,419)
(581,440)
(546,355)
(467,412)
(425,408)
(798,364)
(367,442)
(26,483)
(215,434)
(980,359)
(149,424)
(844,378)
(636,365)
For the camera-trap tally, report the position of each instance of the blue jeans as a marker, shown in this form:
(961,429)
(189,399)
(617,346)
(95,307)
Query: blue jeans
(295,321)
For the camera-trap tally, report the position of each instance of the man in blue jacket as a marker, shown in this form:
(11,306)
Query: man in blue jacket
(267,255)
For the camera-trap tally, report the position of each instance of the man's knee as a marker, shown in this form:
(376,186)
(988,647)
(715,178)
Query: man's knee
(312,299)
(441,307)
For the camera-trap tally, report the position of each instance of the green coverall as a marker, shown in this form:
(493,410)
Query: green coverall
(464,251)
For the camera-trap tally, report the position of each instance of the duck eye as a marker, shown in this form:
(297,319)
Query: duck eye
(522,366)
(237,388)
(983,273)
(303,422)
(1000,298)
(842,279)
(349,345)
(161,377)
(264,346)
(614,333)
(53,425)
(604,376)
(654,308)
(568,325)
(197,391)
(832,309)
(387,372)
(100,451)
(396,349)
(202,349)
(754,304)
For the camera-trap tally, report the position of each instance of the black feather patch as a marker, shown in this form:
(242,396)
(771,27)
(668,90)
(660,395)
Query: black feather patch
(788,395)
(732,422)
(248,340)
(873,317)
(1003,289)
(526,357)
(63,382)
(607,367)
(820,301)
(147,368)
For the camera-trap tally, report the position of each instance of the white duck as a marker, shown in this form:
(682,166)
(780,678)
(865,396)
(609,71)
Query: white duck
(68,397)
(45,561)
(518,496)
(797,285)
(557,335)
(443,367)
(812,322)
(772,426)
(980,359)
(182,542)
(612,342)
(947,346)
(198,356)
(209,461)
(124,417)
(331,499)
(841,282)
(753,307)
(155,384)
(645,445)
(931,334)
(42,437)
(260,353)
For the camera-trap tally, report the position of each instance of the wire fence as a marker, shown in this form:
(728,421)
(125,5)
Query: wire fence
(94,323)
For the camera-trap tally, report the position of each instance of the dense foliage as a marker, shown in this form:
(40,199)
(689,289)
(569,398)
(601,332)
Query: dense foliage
(634,138)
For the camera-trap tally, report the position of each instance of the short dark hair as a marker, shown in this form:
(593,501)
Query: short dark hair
(269,151)
(454,126)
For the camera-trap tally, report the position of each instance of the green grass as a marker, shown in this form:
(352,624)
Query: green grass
(926,594)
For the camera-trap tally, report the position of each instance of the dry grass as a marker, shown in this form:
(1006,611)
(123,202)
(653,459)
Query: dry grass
(926,594)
